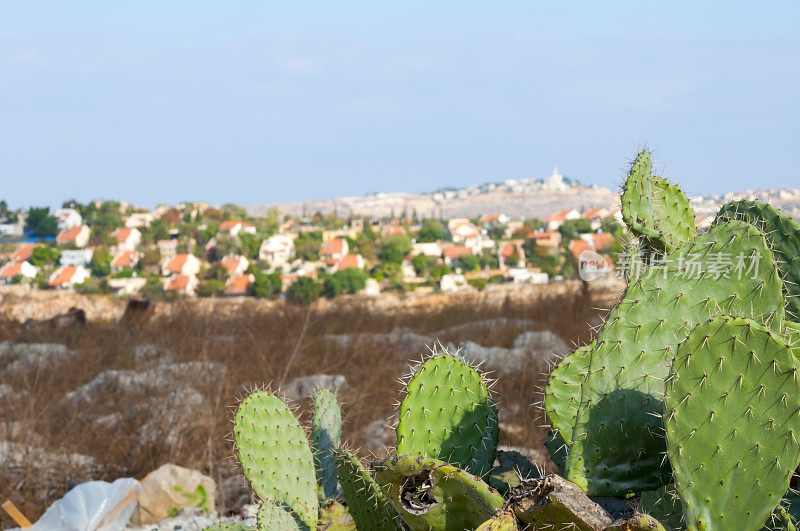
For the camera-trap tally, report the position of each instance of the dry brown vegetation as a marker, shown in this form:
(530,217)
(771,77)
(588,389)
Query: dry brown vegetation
(255,343)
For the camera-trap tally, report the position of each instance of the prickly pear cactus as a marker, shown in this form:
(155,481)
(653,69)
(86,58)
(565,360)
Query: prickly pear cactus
(274,516)
(365,501)
(654,209)
(430,494)
(326,432)
(275,455)
(731,414)
(617,443)
(563,391)
(228,526)
(783,234)
(448,414)
(665,506)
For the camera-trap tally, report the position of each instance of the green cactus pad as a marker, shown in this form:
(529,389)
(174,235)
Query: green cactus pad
(333,516)
(448,414)
(229,526)
(665,506)
(617,443)
(430,494)
(732,414)
(278,517)
(365,501)
(563,391)
(511,470)
(275,455)
(654,209)
(783,234)
(557,449)
(502,522)
(326,431)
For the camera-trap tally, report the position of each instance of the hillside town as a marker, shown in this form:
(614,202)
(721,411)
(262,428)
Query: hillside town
(196,249)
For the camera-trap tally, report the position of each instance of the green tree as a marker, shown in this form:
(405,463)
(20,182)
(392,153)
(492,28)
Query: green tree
(497,231)
(210,288)
(420,264)
(351,279)
(571,229)
(227,244)
(332,286)
(266,286)
(469,262)
(3,209)
(432,230)
(250,245)
(394,248)
(44,255)
(40,223)
(101,262)
(533,224)
(307,245)
(304,290)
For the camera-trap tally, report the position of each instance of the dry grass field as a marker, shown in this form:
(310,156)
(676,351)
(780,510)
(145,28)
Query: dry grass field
(140,408)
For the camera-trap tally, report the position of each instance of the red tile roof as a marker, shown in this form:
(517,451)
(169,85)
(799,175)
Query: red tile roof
(349,261)
(603,241)
(508,249)
(578,246)
(177,283)
(126,259)
(63,275)
(10,270)
(176,264)
(122,234)
(335,246)
(230,262)
(592,213)
(23,252)
(390,230)
(238,284)
(231,224)
(457,251)
(69,234)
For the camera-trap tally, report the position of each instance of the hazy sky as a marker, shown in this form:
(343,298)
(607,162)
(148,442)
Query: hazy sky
(158,101)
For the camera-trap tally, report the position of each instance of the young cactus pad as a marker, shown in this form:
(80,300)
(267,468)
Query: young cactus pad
(731,414)
(275,455)
(432,495)
(783,234)
(327,435)
(654,209)
(617,443)
(365,501)
(448,414)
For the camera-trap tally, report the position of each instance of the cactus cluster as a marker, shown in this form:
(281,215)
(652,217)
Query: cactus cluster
(684,413)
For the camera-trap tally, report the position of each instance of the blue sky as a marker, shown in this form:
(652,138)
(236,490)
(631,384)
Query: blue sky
(253,103)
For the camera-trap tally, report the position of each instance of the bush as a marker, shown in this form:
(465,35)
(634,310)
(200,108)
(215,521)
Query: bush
(40,223)
(304,290)
(101,263)
(420,264)
(93,286)
(266,286)
(431,231)
(44,255)
(124,273)
(469,262)
(209,288)
(394,248)
(332,286)
(477,283)
(352,280)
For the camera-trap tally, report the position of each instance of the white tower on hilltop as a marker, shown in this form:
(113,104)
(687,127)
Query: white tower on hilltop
(555,181)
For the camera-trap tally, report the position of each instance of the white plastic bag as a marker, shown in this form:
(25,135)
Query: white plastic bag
(92,506)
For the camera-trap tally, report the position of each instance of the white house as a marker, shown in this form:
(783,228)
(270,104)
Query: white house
(138,220)
(335,249)
(234,227)
(68,218)
(76,257)
(14,269)
(125,260)
(127,239)
(77,236)
(186,284)
(66,277)
(520,275)
(433,249)
(276,250)
(234,265)
(168,249)
(182,264)
(451,283)
(556,220)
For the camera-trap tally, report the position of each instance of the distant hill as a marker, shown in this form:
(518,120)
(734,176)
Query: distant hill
(527,198)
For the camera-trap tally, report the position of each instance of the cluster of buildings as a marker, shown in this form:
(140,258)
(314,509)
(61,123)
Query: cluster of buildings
(182,264)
